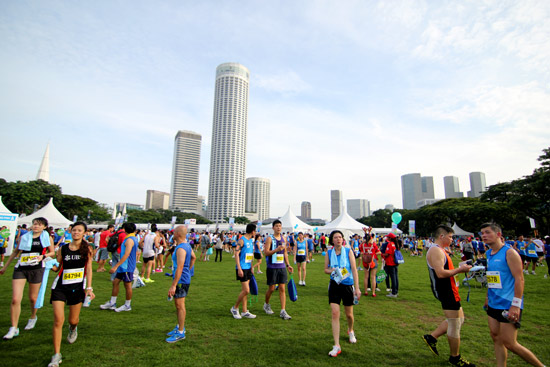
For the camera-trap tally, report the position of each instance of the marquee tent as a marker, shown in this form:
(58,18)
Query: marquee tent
(350,226)
(291,223)
(460,232)
(50,212)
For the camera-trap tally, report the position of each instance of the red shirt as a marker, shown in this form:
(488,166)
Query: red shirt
(104,238)
(364,247)
(389,254)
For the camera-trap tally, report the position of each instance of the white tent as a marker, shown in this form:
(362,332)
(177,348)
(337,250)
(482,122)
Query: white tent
(291,223)
(3,208)
(50,212)
(350,226)
(460,232)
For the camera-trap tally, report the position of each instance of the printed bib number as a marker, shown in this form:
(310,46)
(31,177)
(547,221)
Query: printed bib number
(248,258)
(280,258)
(532,252)
(72,276)
(345,273)
(302,252)
(493,279)
(29,259)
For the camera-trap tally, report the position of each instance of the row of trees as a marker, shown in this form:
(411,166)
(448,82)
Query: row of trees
(162,216)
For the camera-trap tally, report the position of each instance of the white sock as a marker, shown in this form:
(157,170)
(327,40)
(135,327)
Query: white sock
(113,300)
(127,303)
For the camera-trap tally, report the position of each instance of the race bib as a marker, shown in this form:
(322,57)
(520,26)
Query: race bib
(302,252)
(493,280)
(532,252)
(280,258)
(248,258)
(29,259)
(72,276)
(345,273)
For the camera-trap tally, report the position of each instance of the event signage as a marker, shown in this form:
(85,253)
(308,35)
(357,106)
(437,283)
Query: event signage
(412,228)
(9,220)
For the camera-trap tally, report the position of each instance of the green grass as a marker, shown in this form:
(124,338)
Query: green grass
(388,331)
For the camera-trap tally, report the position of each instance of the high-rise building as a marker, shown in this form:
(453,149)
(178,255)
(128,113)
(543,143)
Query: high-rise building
(452,190)
(257,196)
(336,204)
(157,200)
(226,189)
(358,208)
(411,188)
(477,184)
(201,206)
(427,187)
(185,171)
(305,210)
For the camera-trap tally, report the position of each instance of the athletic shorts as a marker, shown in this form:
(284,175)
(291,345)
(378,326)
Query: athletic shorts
(276,276)
(147,259)
(70,296)
(247,274)
(540,254)
(449,303)
(2,250)
(340,293)
(497,315)
(181,290)
(300,258)
(531,259)
(257,256)
(523,257)
(32,276)
(103,253)
(481,251)
(126,277)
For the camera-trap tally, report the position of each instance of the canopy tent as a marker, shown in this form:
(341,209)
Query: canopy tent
(3,208)
(350,226)
(460,232)
(291,223)
(50,212)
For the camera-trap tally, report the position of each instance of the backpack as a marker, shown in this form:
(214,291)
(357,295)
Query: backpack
(366,257)
(112,245)
(398,257)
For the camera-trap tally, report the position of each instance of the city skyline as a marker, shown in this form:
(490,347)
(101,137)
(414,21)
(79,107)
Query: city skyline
(348,96)
(184,187)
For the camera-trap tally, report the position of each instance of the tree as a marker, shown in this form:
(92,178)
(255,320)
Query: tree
(239,220)
(380,218)
(21,197)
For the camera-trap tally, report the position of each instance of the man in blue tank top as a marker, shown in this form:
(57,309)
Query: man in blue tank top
(504,293)
(244,253)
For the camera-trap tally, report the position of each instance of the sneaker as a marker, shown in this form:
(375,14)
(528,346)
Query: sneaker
(260,272)
(148,280)
(31,324)
(284,315)
(388,290)
(432,343)
(304,283)
(335,351)
(299,282)
(123,308)
(267,309)
(235,313)
(378,289)
(12,332)
(526,272)
(391,295)
(352,338)
(174,331)
(248,315)
(368,289)
(461,362)
(56,360)
(545,276)
(533,272)
(108,306)
(73,334)
(176,336)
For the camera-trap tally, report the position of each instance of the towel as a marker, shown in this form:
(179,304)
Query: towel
(26,240)
(48,264)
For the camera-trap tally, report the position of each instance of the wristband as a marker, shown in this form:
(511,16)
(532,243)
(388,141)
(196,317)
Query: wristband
(89,289)
(516,302)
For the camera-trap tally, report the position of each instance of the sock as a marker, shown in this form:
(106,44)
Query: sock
(113,300)
(127,303)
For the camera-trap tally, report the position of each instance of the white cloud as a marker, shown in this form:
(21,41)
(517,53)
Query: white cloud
(284,82)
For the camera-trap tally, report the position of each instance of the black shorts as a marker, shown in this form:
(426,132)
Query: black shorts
(497,315)
(340,293)
(147,259)
(2,250)
(126,277)
(449,303)
(181,290)
(540,254)
(531,259)
(69,296)
(276,276)
(481,251)
(257,256)
(300,258)
(247,274)
(32,276)
(523,257)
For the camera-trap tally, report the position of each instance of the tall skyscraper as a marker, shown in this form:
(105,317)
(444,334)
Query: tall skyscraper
(185,171)
(157,200)
(411,188)
(305,210)
(226,189)
(44,170)
(477,184)
(451,187)
(428,187)
(336,204)
(358,208)
(257,196)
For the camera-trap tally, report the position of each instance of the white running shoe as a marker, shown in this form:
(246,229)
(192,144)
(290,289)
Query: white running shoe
(525,272)
(73,334)
(368,289)
(299,282)
(335,351)
(31,324)
(108,306)
(123,308)
(532,272)
(388,290)
(284,315)
(378,289)
(235,313)
(267,309)
(12,333)
(248,315)
(260,272)
(545,276)
(304,283)
(352,338)
(56,360)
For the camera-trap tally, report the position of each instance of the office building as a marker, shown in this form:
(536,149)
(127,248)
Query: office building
(477,184)
(201,205)
(157,200)
(226,188)
(358,208)
(305,210)
(452,191)
(185,171)
(427,187)
(257,197)
(336,204)
(411,188)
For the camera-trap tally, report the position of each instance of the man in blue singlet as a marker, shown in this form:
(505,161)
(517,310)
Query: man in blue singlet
(244,253)
(505,293)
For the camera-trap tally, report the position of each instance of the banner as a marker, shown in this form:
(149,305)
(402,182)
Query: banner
(10,221)
(532,222)
(412,228)
(231,222)
(75,218)
(173,222)
(394,227)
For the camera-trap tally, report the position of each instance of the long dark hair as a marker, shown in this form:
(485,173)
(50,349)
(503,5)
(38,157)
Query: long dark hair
(85,247)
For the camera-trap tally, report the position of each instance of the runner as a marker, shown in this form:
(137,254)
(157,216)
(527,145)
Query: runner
(504,293)
(445,289)
(530,256)
(258,248)
(310,248)
(33,247)
(244,253)
(277,259)
(75,274)
(150,243)
(367,248)
(300,257)
(103,253)
(390,265)
(343,287)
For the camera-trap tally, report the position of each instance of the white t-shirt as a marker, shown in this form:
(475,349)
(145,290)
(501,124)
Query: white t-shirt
(149,244)
(539,244)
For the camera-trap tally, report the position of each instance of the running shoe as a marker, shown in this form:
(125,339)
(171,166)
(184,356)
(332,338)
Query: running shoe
(267,309)
(108,306)
(391,295)
(368,289)
(432,343)
(374,295)
(123,308)
(460,362)
(284,315)
(335,351)
(12,333)
(248,315)
(176,336)
(377,289)
(148,280)
(56,360)
(260,272)
(304,283)
(352,338)
(31,324)
(235,313)
(388,290)
(73,334)
(174,330)
(533,272)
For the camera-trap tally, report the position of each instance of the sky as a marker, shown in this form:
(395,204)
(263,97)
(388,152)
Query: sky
(346,95)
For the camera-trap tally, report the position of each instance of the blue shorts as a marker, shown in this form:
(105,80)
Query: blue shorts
(181,290)
(126,277)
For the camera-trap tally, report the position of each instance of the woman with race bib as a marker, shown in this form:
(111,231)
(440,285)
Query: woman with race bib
(343,287)
(300,257)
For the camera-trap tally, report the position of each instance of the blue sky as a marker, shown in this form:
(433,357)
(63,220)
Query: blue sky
(344,95)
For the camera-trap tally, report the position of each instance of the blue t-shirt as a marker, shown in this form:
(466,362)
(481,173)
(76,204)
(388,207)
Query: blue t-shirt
(521,247)
(341,263)
(310,244)
(301,247)
(500,280)
(247,253)
(129,265)
(547,247)
(531,250)
(186,273)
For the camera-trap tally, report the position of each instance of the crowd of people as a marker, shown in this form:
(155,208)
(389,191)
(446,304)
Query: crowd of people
(70,254)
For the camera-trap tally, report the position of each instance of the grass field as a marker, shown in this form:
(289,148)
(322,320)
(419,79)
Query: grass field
(388,330)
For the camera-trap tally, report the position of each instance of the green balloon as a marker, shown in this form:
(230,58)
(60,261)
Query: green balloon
(396,217)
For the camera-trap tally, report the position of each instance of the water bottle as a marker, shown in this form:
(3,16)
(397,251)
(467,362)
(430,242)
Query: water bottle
(506,315)
(87,301)
(170,298)
(355,300)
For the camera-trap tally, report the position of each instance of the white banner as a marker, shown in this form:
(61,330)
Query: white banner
(10,221)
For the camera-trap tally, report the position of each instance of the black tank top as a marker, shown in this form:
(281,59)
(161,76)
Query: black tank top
(73,270)
(36,249)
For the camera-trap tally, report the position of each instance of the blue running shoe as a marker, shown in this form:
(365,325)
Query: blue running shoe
(177,336)
(174,330)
